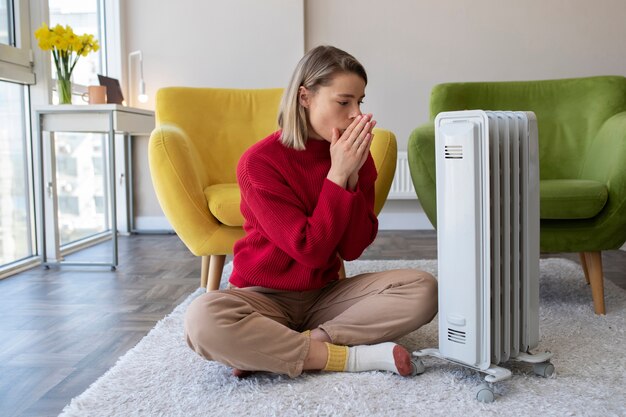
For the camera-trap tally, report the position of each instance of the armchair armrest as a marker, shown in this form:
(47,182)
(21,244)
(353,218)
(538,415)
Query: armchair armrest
(178,179)
(604,159)
(385,154)
(604,162)
(421,154)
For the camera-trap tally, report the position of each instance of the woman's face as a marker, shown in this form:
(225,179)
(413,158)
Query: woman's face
(333,106)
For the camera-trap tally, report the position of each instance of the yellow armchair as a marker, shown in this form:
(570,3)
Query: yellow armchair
(199,137)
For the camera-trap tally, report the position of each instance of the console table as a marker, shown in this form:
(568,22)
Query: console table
(109,119)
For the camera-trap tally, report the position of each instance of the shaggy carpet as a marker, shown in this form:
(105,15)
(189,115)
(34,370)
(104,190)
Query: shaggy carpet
(161,376)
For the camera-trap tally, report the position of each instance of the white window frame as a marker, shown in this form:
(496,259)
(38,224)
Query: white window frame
(16,62)
(16,66)
(24,63)
(41,93)
(110,21)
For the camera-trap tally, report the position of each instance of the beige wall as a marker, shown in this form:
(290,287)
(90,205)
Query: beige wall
(407,46)
(209,43)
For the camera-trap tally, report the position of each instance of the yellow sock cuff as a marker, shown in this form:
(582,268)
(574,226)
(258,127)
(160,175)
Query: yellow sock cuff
(337,358)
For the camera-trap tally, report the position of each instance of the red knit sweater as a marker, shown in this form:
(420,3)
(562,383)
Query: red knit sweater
(297,222)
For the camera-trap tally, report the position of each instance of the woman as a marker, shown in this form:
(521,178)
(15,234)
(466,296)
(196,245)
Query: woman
(307,196)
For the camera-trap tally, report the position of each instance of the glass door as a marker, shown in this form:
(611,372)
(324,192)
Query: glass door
(80,157)
(16,209)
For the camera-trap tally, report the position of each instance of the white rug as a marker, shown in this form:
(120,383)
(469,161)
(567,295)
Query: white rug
(161,376)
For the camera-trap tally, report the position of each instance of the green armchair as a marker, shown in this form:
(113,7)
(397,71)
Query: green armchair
(582,156)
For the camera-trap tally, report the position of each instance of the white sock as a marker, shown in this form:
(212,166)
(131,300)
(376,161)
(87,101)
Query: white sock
(379,357)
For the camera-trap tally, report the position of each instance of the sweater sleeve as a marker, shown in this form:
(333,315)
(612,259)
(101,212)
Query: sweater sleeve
(363,224)
(309,238)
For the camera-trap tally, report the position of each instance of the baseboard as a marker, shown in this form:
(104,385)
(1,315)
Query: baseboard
(399,216)
(152,224)
(403,221)
(403,215)
(391,218)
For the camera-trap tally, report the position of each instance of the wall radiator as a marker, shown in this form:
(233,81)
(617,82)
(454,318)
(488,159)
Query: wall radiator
(402,185)
(488,242)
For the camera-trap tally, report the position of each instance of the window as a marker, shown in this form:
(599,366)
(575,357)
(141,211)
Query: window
(80,160)
(15,54)
(84,16)
(99,203)
(80,183)
(6,23)
(17,226)
(16,209)
(83,208)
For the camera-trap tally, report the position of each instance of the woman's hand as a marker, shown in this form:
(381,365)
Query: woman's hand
(349,151)
(354,177)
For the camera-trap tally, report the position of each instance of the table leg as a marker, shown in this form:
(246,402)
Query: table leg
(112,185)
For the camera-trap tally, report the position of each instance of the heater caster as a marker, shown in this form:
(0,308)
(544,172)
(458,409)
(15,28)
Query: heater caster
(113,268)
(545,369)
(417,366)
(484,393)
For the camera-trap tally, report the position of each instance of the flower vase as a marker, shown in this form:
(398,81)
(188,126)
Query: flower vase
(64,90)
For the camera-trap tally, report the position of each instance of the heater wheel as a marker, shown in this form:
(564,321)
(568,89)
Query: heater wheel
(484,393)
(545,369)
(418,366)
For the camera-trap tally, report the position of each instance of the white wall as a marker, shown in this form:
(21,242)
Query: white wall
(209,43)
(407,47)
(215,43)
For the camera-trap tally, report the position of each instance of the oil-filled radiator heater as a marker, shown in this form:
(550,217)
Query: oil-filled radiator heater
(487,169)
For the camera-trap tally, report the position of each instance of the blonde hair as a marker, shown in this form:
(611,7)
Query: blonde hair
(316,69)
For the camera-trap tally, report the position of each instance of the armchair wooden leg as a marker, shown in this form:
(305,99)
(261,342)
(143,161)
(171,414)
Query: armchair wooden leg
(342,270)
(216,266)
(204,272)
(596,280)
(583,263)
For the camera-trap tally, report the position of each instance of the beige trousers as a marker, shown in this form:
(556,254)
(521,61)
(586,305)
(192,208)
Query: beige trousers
(259,329)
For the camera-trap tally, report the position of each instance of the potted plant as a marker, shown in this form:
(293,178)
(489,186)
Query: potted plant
(67,48)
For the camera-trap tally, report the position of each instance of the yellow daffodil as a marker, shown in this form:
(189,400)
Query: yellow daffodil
(66,47)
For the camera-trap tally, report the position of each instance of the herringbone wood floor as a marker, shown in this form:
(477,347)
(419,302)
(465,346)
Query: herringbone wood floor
(60,329)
